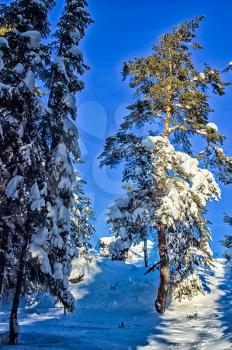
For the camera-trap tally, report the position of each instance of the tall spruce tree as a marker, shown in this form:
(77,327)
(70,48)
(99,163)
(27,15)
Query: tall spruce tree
(38,150)
(170,187)
(66,193)
(23,174)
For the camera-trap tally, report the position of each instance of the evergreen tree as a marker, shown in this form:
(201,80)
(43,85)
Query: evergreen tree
(23,174)
(172,185)
(82,218)
(39,150)
(66,192)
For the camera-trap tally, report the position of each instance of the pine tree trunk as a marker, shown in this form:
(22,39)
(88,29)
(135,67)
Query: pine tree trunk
(13,326)
(145,252)
(162,295)
(124,255)
(3,250)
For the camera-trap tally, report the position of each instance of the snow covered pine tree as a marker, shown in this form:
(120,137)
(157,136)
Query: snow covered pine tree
(67,192)
(22,152)
(35,219)
(82,218)
(169,188)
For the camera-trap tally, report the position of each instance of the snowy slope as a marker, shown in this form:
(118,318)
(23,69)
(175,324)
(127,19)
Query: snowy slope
(115,311)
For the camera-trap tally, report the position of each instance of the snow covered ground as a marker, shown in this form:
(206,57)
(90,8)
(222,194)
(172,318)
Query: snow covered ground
(115,311)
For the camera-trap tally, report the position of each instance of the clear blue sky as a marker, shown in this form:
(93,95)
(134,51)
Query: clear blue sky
(125,29)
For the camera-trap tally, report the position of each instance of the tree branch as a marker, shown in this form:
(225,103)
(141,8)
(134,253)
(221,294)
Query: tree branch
(152,267)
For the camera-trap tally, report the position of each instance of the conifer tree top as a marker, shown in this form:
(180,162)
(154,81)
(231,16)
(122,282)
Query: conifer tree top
(172,96)
(169,87)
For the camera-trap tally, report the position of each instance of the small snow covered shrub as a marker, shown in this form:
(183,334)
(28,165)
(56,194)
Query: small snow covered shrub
(114,248)
(82,264)
(104,245)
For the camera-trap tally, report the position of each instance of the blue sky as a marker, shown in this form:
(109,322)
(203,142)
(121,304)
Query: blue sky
(125,29)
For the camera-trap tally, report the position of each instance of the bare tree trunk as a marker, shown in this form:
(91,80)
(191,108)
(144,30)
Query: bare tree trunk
(3,252)
(162,295)
(145,252)
(13,326)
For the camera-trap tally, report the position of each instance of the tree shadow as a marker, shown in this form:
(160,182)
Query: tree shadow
(224,308)
(115,310)
(212,326)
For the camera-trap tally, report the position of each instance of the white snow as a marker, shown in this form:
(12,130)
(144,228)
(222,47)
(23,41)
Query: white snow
(150,143)
(34,38)
(37,252)
(76,51)
(5,87)
(12,188)
(63,213)
(1,61)
(26,153)
(57,242)
(205,187)
(61,66)
(188,164)
(75,35)
(37,248)
(139,214)
(122,232)
(61,157)
(69,101)
(86,269)
(58,271)
(20,130)
(115,310)
(114,212)
(19,68)
(105,243)
(118,245)
(69,127)
(122,202)
(40,237)
(188,191)
(202,75)
(65,184)
(3,42)
(212,126)
(29,80)
(37,201)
